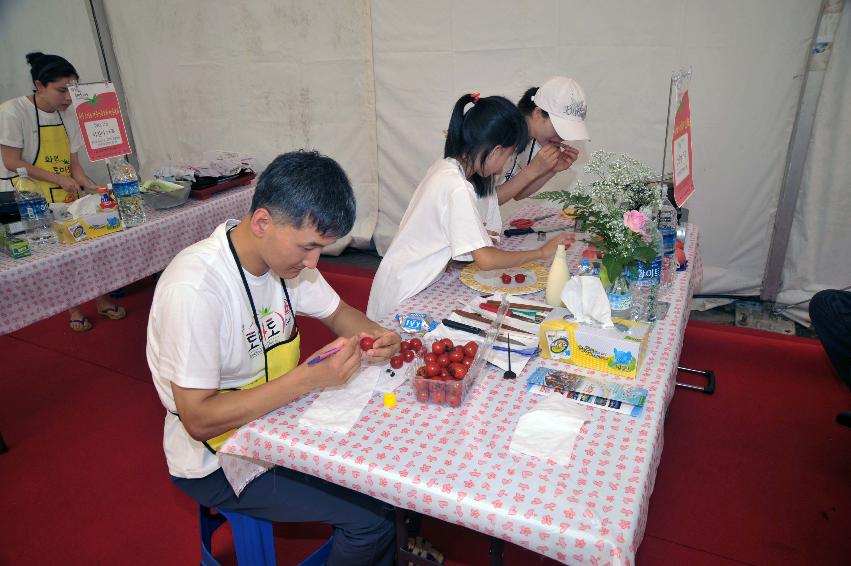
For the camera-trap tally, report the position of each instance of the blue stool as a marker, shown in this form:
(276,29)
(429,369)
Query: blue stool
(252,538)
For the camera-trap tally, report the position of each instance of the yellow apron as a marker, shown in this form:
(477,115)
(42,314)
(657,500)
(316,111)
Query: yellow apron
(278,360)
(53,155)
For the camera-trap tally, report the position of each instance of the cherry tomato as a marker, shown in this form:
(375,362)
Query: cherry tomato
(366,343)
(396,362)
(432,369)
(458,371)
(456,355)
(404,345)
(408,355)
(421,372)
(506,278)
(430,358)
(438,348)
(470,349)
(520,277)
(416,344)
(447,345)
(467,362)
(443,360)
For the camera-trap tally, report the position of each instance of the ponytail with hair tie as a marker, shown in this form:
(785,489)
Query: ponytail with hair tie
(475,96)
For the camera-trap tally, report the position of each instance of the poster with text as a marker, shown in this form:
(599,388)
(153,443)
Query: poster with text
(99,116)
(681,149)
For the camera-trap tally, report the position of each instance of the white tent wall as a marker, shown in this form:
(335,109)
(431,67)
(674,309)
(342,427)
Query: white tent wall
(60,27)
(748,59)
(818,256)
(256,77)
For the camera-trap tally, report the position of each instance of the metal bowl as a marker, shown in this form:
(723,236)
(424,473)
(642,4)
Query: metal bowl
(171,199)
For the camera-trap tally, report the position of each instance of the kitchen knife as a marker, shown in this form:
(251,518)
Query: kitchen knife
(523,231)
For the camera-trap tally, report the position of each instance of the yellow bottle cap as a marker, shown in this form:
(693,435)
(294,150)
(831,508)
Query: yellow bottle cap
(389,400)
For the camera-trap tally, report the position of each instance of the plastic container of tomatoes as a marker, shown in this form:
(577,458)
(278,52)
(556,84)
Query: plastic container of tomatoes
(443,372)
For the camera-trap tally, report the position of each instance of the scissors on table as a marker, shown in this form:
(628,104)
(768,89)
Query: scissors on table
(528,222)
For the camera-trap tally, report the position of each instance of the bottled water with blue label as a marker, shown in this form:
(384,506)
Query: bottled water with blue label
(644,285)
(619,297)
(35,214)
(125,187)
(668,231)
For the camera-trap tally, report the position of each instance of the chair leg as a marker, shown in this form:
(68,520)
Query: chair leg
(252,538)
(707,373)
(208,524)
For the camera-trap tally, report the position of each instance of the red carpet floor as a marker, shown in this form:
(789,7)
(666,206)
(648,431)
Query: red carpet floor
(756,474)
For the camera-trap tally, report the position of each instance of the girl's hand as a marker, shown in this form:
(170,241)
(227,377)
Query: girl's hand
(566,157)
(549,249)
(69,185)
(545,159)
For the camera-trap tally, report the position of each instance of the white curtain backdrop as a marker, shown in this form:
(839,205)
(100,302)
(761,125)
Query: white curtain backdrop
(256,77)
(819,256)
(748,59)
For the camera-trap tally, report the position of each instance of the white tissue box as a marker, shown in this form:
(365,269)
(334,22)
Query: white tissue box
(610,350)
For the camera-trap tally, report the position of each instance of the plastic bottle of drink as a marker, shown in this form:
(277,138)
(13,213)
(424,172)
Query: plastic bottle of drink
(619,297)
(125,187)
(585,268)
(557,277)
(644,283)
(35,214)
(668,231)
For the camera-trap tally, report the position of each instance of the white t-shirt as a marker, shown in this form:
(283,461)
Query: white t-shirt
(18,129)
(443,221)
(202,335)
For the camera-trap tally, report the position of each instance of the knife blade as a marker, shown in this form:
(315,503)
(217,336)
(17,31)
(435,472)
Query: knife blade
(480,318)
(449,323)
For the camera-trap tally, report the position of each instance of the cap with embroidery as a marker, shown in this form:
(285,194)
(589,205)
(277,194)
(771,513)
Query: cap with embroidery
(562,98)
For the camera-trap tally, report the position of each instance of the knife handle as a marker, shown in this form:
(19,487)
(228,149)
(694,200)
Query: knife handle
(461,326)
(517,231)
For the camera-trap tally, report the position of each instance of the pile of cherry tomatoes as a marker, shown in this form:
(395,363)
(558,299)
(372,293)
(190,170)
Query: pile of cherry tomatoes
(441,377)
(408,350)
(506,278)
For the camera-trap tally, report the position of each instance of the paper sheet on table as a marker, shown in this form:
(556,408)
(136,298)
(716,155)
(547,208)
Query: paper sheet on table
(549,430)
(338,408)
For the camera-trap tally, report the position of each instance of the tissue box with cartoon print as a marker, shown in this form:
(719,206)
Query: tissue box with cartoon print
(618,350)
(87,226)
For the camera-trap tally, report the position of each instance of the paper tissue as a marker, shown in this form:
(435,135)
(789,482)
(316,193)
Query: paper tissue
(587,336)
(549,430)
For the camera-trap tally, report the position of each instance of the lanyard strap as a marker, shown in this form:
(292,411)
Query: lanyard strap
(510,173)
(254,309)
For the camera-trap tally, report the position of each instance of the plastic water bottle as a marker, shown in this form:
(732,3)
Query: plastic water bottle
(644,284)
(668,231)
(125,187)
(619,297)
(585,268)
(35,214)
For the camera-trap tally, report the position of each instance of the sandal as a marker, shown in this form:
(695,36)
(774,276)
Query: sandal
(83,324)
(113,313)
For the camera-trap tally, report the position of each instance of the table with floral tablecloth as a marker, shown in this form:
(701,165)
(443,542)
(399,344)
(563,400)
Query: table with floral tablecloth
(57,277)
(454,463)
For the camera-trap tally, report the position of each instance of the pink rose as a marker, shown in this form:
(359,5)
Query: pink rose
(634,220)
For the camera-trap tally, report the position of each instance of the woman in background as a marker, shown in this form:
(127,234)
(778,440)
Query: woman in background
(35,135)
(446,218)
(554,114)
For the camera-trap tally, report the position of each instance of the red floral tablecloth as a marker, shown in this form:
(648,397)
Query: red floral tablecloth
(454,464)
(57,277)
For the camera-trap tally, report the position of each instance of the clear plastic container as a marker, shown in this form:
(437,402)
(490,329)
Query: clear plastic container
(451,391)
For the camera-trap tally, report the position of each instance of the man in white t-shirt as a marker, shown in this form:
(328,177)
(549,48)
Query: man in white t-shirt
(223,349)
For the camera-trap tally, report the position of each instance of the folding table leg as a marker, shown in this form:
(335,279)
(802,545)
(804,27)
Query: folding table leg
(707,373)
(496,550)
(3,447)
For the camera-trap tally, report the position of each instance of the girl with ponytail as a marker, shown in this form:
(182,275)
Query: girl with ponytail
(454,212)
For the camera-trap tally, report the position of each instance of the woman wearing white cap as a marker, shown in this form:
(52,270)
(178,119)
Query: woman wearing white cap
(555,114)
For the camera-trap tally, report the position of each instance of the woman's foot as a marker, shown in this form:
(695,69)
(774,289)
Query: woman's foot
(78,321)
(112,312)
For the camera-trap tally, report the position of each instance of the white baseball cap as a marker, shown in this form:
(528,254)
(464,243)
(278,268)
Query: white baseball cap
(562,98)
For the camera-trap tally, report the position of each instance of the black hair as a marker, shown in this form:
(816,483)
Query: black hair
(526,105)
(49,68)
(492,121)
(305,186)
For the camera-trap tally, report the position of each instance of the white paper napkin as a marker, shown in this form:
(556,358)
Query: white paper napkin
(586,299)
(549,430)
(338,408)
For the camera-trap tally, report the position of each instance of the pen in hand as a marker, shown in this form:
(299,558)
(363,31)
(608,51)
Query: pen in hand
(324,355)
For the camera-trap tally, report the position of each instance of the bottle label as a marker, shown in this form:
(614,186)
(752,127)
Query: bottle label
(647,272)
(669,240)
(619,301)
(125,189)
